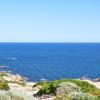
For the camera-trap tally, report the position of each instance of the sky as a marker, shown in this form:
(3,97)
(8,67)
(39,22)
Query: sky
(49,20)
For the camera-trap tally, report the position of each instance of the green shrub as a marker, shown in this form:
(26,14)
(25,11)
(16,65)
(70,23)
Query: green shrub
(4,86)
(47,88)
(50,87)
(86,87)
(66,88)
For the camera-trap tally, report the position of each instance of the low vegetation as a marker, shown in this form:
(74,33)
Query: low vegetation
(3,74)
(15,95)
(65,89)
(4,86)
(78,96)
(10,96)
(86,87)
(69,88)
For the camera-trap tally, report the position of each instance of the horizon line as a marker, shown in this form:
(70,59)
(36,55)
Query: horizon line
(49,42)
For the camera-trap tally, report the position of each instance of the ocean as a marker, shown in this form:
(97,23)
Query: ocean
(51,60)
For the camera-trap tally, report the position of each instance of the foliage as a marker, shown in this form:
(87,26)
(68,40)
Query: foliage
(82,96)
(2,80)
(9,96)
(51,87)
(15,95)
(77,96)
(63,98)
(4,86)
(47,88)
(66,88)
(3,73)
(86,87)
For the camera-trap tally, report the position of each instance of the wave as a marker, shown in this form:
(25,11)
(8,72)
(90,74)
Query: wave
(9,58)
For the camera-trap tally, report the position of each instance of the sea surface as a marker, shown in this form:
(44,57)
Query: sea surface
(51,60)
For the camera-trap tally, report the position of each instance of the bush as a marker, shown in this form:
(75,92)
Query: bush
(15,95)
(82,96)
(86,87)
(47,88)
(51,87)
(66,88)
(4,86)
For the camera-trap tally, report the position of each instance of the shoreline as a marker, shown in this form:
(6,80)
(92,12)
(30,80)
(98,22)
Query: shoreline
(18,77)
(18,83)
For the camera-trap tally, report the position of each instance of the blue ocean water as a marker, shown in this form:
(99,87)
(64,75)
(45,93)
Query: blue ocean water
(51,60)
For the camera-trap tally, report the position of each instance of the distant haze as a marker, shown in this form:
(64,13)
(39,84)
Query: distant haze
(49,20)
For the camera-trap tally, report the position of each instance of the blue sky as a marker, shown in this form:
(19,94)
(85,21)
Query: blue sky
(49,20)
